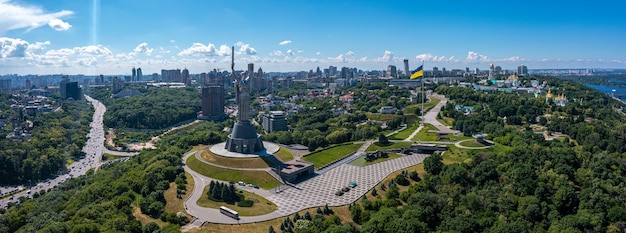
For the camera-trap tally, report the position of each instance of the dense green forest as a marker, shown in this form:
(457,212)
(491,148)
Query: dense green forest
(56,138)
(590,117)
(104,201)
(156,108)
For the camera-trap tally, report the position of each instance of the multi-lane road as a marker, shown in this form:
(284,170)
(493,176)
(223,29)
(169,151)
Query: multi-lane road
(93,153)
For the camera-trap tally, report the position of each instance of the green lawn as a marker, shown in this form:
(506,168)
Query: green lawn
(361,160)
(472,143)
(428,105)
(261,205)
(284,154)
(324,157)
(255,162)
(260,178)
(405,133)
(376,146)
(424,135)
(447,121)
(379,117)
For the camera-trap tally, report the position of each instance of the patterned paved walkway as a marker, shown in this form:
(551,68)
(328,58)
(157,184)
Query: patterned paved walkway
(316,191)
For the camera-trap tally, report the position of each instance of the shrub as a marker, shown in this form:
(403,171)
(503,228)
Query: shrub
(245,203)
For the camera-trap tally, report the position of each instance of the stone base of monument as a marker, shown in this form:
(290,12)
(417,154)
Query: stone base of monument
(270,149)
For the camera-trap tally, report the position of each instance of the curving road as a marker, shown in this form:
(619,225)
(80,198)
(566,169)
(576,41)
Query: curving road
(316,191)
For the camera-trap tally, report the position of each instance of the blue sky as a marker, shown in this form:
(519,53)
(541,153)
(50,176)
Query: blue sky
(112,36)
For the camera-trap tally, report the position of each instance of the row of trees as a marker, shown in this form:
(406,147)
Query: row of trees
(219,191)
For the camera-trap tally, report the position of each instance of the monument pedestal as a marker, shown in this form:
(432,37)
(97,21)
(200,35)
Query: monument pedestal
(244,139)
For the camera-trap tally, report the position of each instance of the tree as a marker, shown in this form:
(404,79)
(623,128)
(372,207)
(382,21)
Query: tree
(271,230)
(356,213)
(414,176)
(307,215)
(382,139)
(374,192)
(433,164)
(401,180)
(327,210)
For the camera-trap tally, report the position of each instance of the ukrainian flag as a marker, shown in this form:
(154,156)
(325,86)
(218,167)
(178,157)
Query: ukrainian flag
(419,72)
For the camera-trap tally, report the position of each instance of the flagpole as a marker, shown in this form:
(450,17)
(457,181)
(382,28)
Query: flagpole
(422,81)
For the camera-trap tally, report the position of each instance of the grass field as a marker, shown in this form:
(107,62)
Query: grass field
(405,133)
(173,204)
(428,105)
(261,205)
(424,135)
(472,143)
(324,157)
(284,154)
(447,121)
(361,160)
(379,117)
(260,178)
(262,227)
(256,162)
(376,146)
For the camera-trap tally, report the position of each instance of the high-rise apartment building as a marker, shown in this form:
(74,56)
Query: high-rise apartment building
(522,70)
(212,103)
(134,75)
(406,67)
(392,71)
(139,76)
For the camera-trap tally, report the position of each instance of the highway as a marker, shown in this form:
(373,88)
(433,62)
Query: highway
(93,153)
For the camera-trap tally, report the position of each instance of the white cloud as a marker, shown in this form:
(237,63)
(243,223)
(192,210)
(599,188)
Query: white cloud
(284,42)
(350,53)
(435,58)
(207,50)
(289,52)
(15,47)
(476,57)
(143,48)
(387,57)
(16,16)
(318,53)
(172,41)
(59,25)
(300,51)
(277,53)
(92,50)
(245,48)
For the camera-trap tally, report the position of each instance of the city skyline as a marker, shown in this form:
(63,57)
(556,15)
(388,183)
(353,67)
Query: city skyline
(98,37)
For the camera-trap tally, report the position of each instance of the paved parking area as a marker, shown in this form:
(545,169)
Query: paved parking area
(321,189)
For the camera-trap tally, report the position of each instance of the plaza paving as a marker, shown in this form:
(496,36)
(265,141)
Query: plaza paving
(316,191)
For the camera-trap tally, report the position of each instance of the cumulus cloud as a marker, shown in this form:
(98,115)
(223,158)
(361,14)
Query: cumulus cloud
(143,48)
(16,16)
(318,53)
(289,52)
(15,47)
(59,25)
(206,50)
(476,57)
(387,57)
(435,58)
(277,53)
(350,54)
(245,48)
(284,42)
